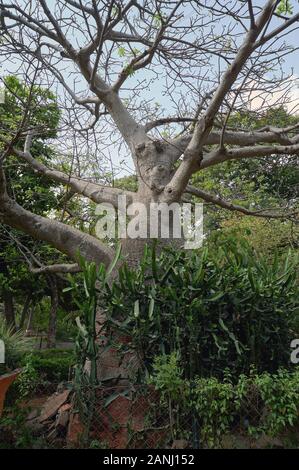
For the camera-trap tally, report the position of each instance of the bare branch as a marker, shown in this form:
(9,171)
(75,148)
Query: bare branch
(57,268)
(223,155)
(269,135)
(251,14)
(64,238)
(289,22)
(193,154)
(92,191)
(169,120)
(218,201)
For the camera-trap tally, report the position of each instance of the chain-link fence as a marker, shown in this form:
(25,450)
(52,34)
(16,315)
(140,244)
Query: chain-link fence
(134,417)
(210,413)
(137,417)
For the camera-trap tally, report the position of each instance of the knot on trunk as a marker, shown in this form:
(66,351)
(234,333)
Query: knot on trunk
(150,148)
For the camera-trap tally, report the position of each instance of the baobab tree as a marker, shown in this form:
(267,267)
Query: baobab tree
(111,61)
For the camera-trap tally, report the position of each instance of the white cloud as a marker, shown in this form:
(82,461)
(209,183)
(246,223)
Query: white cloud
(287,94)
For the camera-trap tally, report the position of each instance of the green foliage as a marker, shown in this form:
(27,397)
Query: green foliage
(268,403)
(276,116)
(34,192)
(43,110)
(285,6)
(279,394)
(127,182)
(214,403)
(265,236)
(95,444)
(51,365)
(129,70)
(28,380)
(14,434)
(221,307)
(167,377)
(257,404)
(85,296)
(121,51)
(253,183)
(42,371)
(158,19)
(86,347)
(16,344)
(66,329)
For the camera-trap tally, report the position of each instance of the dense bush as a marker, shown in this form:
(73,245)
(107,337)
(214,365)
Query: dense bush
(51,365)
(28,382)
(255,404)
(224,307)
(42,372)
(259,403)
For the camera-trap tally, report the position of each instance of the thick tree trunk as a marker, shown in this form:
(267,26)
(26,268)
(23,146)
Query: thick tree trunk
(113,368)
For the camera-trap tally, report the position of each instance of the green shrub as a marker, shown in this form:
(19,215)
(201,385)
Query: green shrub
(42,371)
(167,377)
(222,307)
(28,380)
(213,401)
(279,400)
(255,404)
(267,403)
(52,365)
